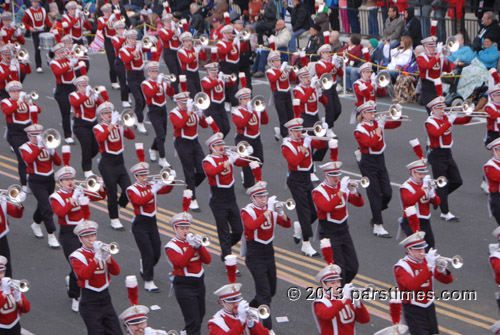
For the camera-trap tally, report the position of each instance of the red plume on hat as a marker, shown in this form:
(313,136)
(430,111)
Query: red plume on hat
(139,150)
(366,54)
(272,45)
(184,25)
(66,154)
(230,261)
(411,215)
(439,87)
(183,81)
(494,73)
(132,289)
(326,37)
(417,148)
(326,250)
(227,20)
(213,54)
(434,25)
(296,108)
(34,117)
(256,171)
(167,7)
(187,196)
(395,307)
(333,145)
(243,79)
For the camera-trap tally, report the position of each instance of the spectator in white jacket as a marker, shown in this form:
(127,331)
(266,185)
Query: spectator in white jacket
(401,56)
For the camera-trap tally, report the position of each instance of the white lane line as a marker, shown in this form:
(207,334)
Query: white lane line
(354,174)
(26,332)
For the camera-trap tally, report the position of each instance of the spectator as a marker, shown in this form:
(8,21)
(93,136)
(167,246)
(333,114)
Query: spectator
(181,6)
(401,56)
(353,15)
(281,40)
(196,19)
(254,7)
(371,6)
(155,23)
(300,22)
(425,16)
(321,16)
(412,26)
(464,52)
(489,55)
(440,7)
(205,9)
(393,27)
(376,54)
(218,9)
(267,20)
(344,16)
(384,8)
(334,14)
(315,41)
(490,29)
(335,41)
(354,50)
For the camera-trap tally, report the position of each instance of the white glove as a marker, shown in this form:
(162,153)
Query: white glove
(39,140)
(373,79)
(33,109)
(105,254)
(254,165)
(6,281)
(197,241)
(78,12)
(157,185)
(22,196)
(98,250)
(307,141)
(250,106)
(271,201)
(347,290)
(452,117)
(154,50)
(243,311)
(25,60)
(3,200)
(314,81)
(431,193)
(250,150)
(22,96)
(12,68)
(431,258)
(427,181)
(116,11)
(72,62)
(89,91)
(159,79)
(191,239)
(302,53)
(77,193)
(190,105)
(17,295)
(209,120)
(330,134)
(115,116)
(283,66)
(232,157)
(335,59)
(221,76)
(381,121)
(362,86)
(83,200)
(441,265)
(439,47)
(333,143)
(81,64)
(344,184)
(197,49)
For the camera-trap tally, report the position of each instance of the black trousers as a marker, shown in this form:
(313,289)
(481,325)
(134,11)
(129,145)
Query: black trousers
(425,225)
(62,98)
(379,192)
(258,151)
(494,199)
(121,73)
(98,313)
(148,241)
(16,136)
(190,295)
(230,91)
(428,93)
(191,156)
(170,58)
(260,262)
(443,164)
(85,135)
(421,321)
(193,82)
(300,185)
(69,242)
(36,44)
(284,108)
(134,80)
(344,253)
(309,121)
(5,251)
(227,217)
(158,117)
(15,330)
(219,114)
(110,55)
(114,173)
(334,18)
(333,108)
(3,94)
(42,187)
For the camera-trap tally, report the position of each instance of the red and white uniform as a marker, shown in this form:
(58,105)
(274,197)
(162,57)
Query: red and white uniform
(111,142)
(333,317)
(280,80)
(17,112)
(369,142)
(39,161)
(298,161)
(413,276)
(229,51)
(156,93)
(57,30)
(117,42)
(257,227)
(188,58)
(135,63)
(186,260)
(215,34)
(75,26)
(69,214)
(248,122)
(495,265)
(186,126)
(494,114)
(84,107)
(332,207)
(143,199)
(92,275)
(492,173)
(215,88)
(64,72)
(10,312)
(9,209)
(36,18)
(439,130)
(412,194)
(169,38)
(217,175)
(430,68)
(223,323)
(9,35)
(364,95)
(104,23)
(7,74)
(327,67)
(309,98)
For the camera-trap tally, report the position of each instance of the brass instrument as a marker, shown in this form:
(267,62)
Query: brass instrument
(80,51)
(34,95)
(318,129)
(263,311)
(364,182)
(166,177)
(170,78)
(22,285)
(345,58)
(13,194)
(202,100)
(258,103)
(383,79)
(91,183)
(289,204)
(128,118)
(439,182)
(395,112)
(466,108)
(51,138)
(294,68)
(451,45)
(149,42)
(245,35)
(17,46)
(22,55)
(112,247)
(86,10)
(325,82)
(203,40)
(456,261)
(98,88)
(203,240)
(232,77)
(242,149)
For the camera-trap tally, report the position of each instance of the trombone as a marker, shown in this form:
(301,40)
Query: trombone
(13,194)
(325,82)
(395,112)
(51,138)
(364,182)
(456,261)
(466,108)
(202,100)
(128,118)
(317,129)
(258,103)
(91,183)
(166,177)
(242,149)
(22,285)
(289,204)
(439,182)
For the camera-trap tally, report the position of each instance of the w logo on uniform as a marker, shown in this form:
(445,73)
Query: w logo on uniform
(38,16)
(347,315)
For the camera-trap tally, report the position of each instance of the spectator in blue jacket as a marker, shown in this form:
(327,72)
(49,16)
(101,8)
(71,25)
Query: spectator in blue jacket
(464,52)
(489,55)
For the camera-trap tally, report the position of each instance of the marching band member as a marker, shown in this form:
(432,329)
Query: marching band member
(71,205)
(39,165)
(74,21)
(330,199)
(335,313)
(64,68)
(169,36)
(189,56)
(439,127)
(155,90)
(331,65)
(13,303)
(365,89)
(17,109)
(118,40)
(186,254)
(185,121)
(247,122)
(11,69)
(297,151)
(36,20)
(492,174)
(10,31)
(109,135)
(105,24)
(235,317)
(495,261)
(279,77)
(492,107)
(415,273)
(259,221)
(93,265)
(369,134)
(84,102)
(214,84)
(8,208)
(135,320)
(142,195)
(131,55)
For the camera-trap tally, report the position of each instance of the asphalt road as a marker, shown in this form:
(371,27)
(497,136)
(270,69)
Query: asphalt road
(46,268)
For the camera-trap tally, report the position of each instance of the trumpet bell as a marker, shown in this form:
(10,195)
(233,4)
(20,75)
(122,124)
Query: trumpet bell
(326,81)
(245,34)
(172,78)
(264,311)
(128,118)
(242,148)
(202,100)
(24,285)
(441,181)
(51,138)
(319,130)
(364,182)
(166,176)
(17,46)
(22,54)
(258,103)
(457,262)
(34,95)
(205,241)
(98,88)
(290,204)
(204,40)
(452,44)
(114,248)
(383,79)
(13,192)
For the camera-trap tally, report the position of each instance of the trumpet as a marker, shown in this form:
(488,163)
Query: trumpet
(99,88)
(263,312)
(203,40)
(245,35)
(318,129)
(451,45)
(22,55)
(80,51)
(51,138)
(13,194)
(171,78)
(91,183)
(112,247)
(325,82)
(364,182)
(128,118)
(290,68)
(22,285)
(383,79)
(167,177)
(289,204)
(456,261)
(232,77)
(258,103)
(439,182)
(202,100)
(17,46)
(203,240)
(86,10)
(149,42)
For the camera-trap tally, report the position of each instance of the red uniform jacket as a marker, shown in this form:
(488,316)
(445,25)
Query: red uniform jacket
(17,112)
(332,207)
(495,265)
(155,93)
(10,36)
(169,38)
(494,111)
(186,260)
(430,68)
(248,123)
(90,274)
(186,126)
(135,63)
(412,194)
(217,175)
(74,26)
(215,88)
(215,34)
(362,96)
(223,323)
(103,23)
(439,130)
(111,142)
(11,311)
(143,199)
(327,67)
(492,173)
(67,214)
(7,75)
(308,97)
(64,73)
(280,81)
(38,161)
(188,59)
(369,142)
(36,18)
(117,44)
(298,161)
(333,317)
(7,208)
(84,106)
(257,227)
(229,51)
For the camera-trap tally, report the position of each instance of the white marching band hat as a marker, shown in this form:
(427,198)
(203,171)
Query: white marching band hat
(134,315)
(230,292)
(86,228)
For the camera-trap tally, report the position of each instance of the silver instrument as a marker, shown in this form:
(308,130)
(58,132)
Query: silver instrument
(47,41)
(364,182)
(263,311)
(80,51)
(317,129)
(166,177)
(232,77)
(242,149)
(325,82)
(345,58)
(22,285)
(290,68)
(456,261)
(289,204)
(170,78)
(91,183)
(258,103)
(113,248)
(439,182)
(149,42)
(395,112)
(13,194)
(383,79)
(33,95)
(51,138)
(22,55)
(202,240)
(245,35)
(202,100)
(128,118)
(203,40)
(466,108)
(451,45)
